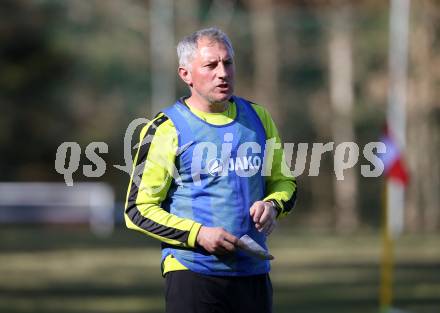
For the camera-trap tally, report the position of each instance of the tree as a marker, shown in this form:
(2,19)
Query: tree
(341,97)
(265,51)
(423,121)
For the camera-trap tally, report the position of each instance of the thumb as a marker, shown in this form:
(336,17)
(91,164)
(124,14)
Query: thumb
(252,210)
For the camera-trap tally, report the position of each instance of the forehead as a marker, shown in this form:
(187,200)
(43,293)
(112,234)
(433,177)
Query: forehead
(211,48)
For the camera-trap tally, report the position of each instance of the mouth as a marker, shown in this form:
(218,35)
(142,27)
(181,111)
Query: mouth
(223,86)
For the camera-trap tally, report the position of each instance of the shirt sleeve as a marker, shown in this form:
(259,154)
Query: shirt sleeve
(279,188)
(149,184)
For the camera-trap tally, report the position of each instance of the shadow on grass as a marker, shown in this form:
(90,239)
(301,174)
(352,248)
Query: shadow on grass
(327,286)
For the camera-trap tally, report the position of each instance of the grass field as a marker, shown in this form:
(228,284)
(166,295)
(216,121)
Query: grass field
(70,270)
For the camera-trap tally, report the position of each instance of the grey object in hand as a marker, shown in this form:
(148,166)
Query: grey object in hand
(248,245)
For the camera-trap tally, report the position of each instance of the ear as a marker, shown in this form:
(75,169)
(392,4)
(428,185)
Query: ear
(185,75)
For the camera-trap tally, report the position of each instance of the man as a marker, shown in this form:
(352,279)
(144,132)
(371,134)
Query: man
(199,184)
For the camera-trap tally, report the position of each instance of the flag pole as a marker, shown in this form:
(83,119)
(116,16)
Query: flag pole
(387,258)
(394,191)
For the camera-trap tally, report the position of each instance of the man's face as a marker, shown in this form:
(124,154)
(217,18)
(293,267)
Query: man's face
(211,75)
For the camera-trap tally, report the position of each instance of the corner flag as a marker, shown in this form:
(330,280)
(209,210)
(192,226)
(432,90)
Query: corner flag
(395,167)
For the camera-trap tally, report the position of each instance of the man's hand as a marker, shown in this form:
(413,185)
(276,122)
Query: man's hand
(216,240)
(264,216)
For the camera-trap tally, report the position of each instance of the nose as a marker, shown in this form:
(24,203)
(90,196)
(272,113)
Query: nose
(222,71)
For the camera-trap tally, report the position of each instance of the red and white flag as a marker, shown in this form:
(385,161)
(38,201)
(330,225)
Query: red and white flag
(394,165)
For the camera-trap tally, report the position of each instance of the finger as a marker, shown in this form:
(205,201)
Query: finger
(229,247)
(258,226)
(252,210)
(220,250)
(258,212)
(270,229)
(265,216)
(231,238)
(266,226)
(269,226)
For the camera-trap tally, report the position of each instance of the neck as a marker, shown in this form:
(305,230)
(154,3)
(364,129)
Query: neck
(205,106)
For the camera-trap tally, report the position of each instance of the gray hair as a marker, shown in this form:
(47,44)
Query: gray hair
(187,47)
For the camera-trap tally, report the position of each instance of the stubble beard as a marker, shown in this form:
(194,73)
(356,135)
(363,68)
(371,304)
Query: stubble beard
(215,102)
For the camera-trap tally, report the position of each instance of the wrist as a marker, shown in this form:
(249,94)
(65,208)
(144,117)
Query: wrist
(275,206)
(194,235)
